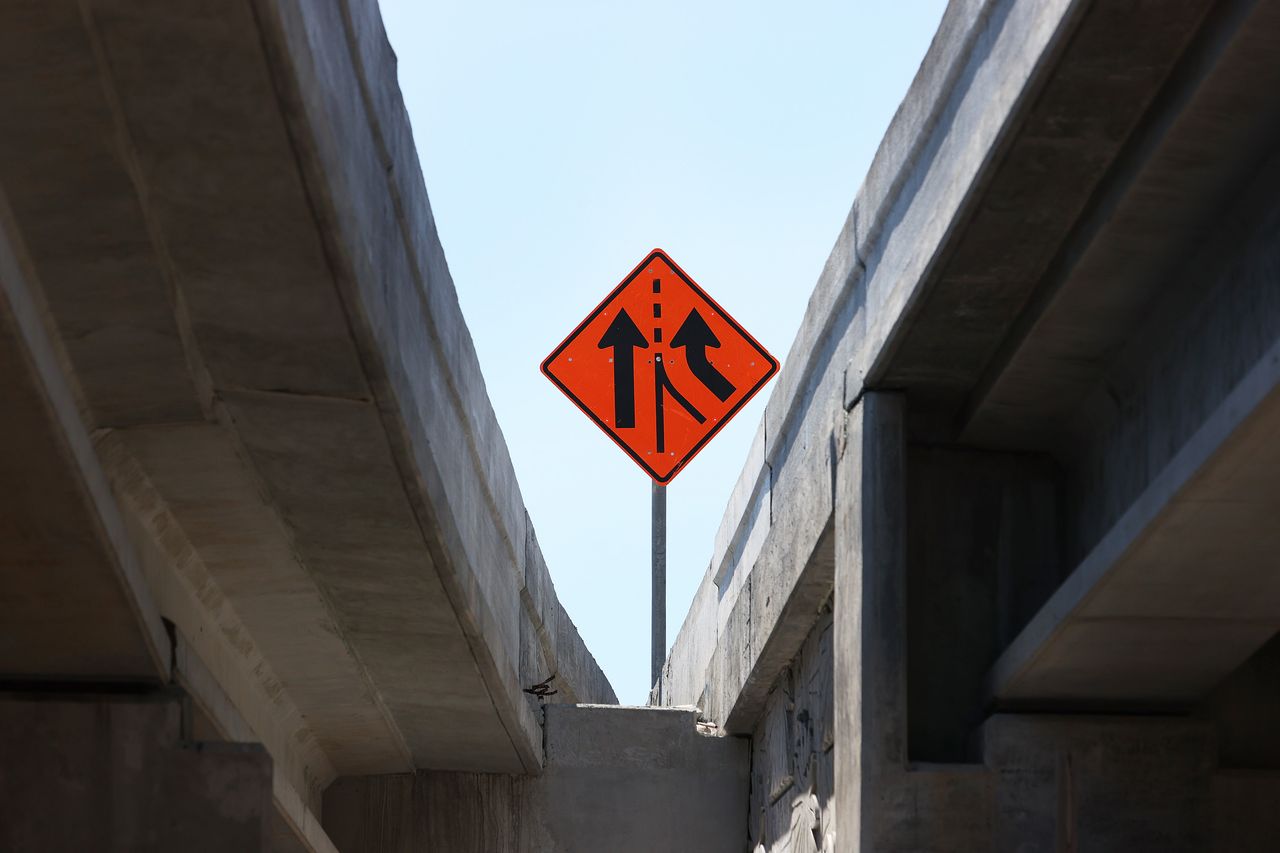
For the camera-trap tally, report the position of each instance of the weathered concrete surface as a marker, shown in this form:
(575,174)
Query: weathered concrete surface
(71,601)
(245,400)
(983,554)
(1005,98)
(1107,785)
(870,636)
(625,780)
(1182,588)
(1191,159)
(1039,782)
(987,62)
(116,773)
(641,780)
(82,585)
(1044,344)
(1027,430)
(793,760)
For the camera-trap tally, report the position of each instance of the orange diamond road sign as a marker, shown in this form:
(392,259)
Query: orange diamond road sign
(659,366)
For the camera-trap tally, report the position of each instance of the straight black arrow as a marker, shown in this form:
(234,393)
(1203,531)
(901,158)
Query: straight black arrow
(695,336)
(623,338)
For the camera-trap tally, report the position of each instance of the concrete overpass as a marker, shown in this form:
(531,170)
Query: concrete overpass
(999,572)
(252,465)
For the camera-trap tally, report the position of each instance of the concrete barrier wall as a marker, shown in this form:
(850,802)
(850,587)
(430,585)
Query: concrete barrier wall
(117,773)
(617,779)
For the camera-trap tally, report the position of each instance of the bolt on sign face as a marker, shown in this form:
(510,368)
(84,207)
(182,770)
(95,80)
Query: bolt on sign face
(659,366)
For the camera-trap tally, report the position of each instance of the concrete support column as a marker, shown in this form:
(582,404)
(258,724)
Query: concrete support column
(117,773)
(870,616)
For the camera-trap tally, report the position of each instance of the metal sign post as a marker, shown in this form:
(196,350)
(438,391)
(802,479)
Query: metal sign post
(661,368)
(658,654)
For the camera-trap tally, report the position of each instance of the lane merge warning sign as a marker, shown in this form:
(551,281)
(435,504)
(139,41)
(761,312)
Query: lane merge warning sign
(659,366)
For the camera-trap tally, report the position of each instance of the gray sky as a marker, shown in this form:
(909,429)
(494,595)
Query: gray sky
(560,142)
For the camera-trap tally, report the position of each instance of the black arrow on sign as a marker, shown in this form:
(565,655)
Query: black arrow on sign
(623,338)
(695,336)
(661,387)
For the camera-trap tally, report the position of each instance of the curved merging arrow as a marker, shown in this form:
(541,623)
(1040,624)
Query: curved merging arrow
(661,387)
(624,338)
(695,336)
